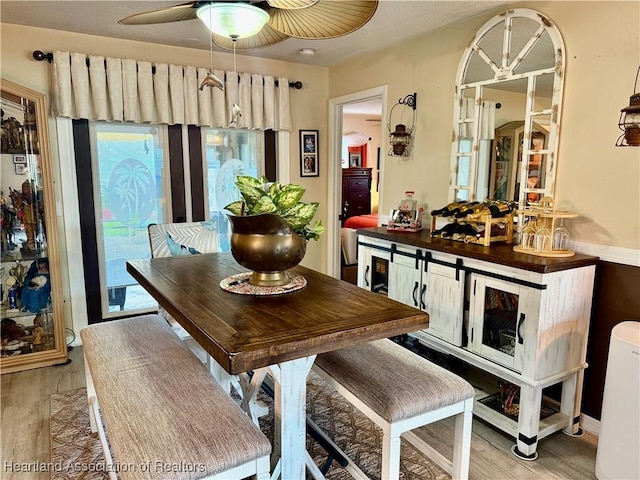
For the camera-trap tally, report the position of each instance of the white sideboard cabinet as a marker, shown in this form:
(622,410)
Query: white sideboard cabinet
(519,321)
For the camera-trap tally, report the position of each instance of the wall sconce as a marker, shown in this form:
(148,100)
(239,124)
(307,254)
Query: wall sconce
(400,137)
(629,121)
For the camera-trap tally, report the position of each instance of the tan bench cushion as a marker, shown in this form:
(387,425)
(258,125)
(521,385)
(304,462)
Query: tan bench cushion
(159,403)
(393,381)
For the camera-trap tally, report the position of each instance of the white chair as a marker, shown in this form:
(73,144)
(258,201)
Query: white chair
(175,239)
(193,238)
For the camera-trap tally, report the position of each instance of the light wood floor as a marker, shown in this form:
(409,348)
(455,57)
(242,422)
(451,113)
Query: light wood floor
(25,433)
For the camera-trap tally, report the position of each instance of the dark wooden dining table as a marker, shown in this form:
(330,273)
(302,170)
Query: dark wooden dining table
(279,334)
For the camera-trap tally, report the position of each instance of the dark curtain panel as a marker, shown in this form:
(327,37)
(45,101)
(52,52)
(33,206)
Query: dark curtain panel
(176,172)
(89,240)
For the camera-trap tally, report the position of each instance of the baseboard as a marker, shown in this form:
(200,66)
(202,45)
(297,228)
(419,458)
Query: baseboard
(590,424)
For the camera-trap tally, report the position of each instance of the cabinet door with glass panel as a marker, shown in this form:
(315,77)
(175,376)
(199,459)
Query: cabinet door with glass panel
(500,316)
(396,273)
(373,268)
(33,327)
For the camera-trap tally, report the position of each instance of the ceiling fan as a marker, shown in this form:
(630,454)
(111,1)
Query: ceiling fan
(306,19)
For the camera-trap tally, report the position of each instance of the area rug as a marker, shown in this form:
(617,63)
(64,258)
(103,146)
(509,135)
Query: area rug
(77,453)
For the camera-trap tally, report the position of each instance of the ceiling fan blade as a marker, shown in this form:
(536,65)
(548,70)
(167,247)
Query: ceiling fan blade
(324,19)
(291,4)
(265,37)
(176,13)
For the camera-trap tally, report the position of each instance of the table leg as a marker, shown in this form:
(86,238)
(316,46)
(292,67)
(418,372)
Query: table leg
(571,400)
(528,422)
(250,388)
(289,456)
(220,374)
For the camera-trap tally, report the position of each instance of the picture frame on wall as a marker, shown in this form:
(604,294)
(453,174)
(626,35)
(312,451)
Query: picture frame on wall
(355,159)
(20,159)
(309,159)
(20,168)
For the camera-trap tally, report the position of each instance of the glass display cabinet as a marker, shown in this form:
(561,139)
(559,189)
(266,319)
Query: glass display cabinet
(33,327)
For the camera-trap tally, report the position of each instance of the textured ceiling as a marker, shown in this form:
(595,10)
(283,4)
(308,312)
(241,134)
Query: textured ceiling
(395,21)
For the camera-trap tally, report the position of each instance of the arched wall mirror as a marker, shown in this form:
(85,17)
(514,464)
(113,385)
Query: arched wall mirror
(508,99)
(33,327)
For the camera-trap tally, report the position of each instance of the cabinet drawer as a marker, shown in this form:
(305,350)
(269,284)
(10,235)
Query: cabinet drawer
(357,172)
(359,197)
(359,203)
(359,210)
(358,184)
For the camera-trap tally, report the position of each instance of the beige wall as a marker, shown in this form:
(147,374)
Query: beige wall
(308,105)
(602,41)
(595,178)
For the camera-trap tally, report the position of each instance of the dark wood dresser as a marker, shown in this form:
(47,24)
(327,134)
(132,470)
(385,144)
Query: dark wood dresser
(356,192)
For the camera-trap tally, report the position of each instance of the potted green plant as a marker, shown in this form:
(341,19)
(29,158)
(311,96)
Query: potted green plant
(270,228)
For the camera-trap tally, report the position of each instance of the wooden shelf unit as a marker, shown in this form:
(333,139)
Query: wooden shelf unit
(487,239)
(549,219)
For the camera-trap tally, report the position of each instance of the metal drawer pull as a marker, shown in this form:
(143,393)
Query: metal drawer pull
(520,322)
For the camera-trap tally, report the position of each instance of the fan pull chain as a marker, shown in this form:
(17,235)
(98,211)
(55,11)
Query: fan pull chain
(211,42)
(211,53)
(235,69)
(236,112)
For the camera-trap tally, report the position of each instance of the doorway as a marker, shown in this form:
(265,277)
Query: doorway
(369,104)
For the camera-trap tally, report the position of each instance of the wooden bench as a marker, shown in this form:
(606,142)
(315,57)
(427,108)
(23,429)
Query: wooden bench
(165,416)
(400,391)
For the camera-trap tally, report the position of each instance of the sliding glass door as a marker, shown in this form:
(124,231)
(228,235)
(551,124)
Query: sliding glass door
(131,191)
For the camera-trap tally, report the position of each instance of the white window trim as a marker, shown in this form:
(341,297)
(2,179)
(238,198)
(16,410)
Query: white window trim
(70,203)
(334,170)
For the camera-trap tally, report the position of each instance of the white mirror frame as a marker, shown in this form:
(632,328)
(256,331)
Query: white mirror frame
(505,73)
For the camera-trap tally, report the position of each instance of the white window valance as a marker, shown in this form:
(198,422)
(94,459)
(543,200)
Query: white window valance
(126,90)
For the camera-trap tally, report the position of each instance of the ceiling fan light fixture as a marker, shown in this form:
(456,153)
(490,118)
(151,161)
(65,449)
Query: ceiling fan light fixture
(237,20)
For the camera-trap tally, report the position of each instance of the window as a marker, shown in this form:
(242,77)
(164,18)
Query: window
(229,153)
